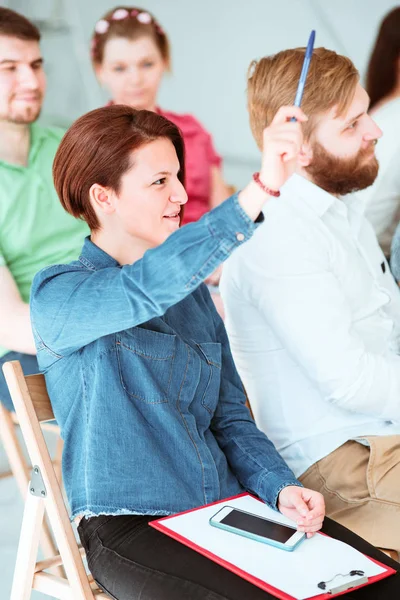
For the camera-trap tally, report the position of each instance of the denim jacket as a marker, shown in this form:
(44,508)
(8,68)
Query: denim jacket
(142,381)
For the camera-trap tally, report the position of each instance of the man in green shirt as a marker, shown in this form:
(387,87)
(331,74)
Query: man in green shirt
(35,231)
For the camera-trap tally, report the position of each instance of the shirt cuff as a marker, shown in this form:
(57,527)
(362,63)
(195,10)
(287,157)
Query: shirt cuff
(273,483)
(230,221)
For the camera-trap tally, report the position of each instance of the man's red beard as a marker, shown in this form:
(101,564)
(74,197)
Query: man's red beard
(341,176)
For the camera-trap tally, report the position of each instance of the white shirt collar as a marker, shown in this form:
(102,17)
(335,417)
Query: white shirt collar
(315,197)
(351,207)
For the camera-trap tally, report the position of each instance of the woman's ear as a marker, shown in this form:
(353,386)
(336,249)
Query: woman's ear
(98,71)
(305,155)
(102,199)
(167,66)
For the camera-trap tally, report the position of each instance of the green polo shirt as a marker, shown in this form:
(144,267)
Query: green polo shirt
(35,230)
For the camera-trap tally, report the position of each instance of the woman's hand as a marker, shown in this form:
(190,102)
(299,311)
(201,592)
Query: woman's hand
(305,507)
(282,141)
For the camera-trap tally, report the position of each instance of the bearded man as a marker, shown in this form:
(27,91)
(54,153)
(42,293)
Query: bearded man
(312,310)
(35,231)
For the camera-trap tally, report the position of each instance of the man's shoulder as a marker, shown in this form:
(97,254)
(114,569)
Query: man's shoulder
(286,222)
(49,133)
(289,239)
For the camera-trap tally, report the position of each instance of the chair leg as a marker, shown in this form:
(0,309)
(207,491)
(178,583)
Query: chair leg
(27,548)
(34,528)
(48,546)
(20,470)
(13,450)
(57,461)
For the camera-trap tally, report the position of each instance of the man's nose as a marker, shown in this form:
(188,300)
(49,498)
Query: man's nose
(28,78)
(374,132)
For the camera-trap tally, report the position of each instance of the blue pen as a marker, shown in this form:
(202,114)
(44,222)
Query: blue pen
(304,71)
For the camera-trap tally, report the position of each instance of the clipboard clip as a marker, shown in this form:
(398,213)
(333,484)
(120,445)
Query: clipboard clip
(361,579)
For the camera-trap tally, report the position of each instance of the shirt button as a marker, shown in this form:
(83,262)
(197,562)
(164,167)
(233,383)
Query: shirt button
(240,237)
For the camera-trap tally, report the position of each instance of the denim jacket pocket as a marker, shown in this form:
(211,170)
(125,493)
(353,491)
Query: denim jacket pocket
(211,351)
(145,361)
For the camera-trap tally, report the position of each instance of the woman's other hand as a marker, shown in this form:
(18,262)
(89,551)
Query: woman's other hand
(305,507)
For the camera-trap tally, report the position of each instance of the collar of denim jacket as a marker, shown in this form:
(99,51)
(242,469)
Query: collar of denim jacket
(95,258)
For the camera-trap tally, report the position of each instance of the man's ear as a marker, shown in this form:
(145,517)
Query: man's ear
(305,155)
(101,199)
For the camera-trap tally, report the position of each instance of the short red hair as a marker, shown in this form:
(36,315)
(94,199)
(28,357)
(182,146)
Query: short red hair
(98,148)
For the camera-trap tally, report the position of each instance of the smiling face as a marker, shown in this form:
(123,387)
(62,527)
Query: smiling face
(22,80)
(131,71)
(147,207)
(341,151)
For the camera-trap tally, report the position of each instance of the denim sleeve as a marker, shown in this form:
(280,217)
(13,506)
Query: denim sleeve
(251,455)
(395,255)
(72,306)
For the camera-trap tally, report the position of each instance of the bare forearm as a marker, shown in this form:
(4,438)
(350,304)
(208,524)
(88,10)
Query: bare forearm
(15,329)
(252,199)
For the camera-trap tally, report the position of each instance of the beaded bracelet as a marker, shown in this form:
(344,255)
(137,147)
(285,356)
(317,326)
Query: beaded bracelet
(267,190)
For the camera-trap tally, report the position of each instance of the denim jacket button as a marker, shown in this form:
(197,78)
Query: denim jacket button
(240,237)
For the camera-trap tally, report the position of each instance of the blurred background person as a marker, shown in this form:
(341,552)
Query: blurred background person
(382,199)
(34,229)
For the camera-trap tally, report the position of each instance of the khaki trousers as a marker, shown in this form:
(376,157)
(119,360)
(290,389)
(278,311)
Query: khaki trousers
(361,487)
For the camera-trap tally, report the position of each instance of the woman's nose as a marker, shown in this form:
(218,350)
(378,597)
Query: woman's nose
(179,199)
(134,76)
(179,195)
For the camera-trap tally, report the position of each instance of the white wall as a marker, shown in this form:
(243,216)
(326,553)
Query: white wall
(213,42)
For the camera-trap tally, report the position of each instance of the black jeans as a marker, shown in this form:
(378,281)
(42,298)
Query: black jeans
(131,560)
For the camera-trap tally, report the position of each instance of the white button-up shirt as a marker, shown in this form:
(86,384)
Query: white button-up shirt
(382,198)
(313,317)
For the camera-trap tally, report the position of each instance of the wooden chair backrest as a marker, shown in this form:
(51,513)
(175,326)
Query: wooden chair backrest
(32,405)
(36,385)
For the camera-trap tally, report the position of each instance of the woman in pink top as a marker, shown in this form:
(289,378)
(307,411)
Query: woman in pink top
(130,53)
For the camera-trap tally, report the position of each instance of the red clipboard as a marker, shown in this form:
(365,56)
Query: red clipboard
(160,526)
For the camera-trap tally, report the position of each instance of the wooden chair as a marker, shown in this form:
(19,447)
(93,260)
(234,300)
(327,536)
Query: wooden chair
(20,469)
(33,407)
